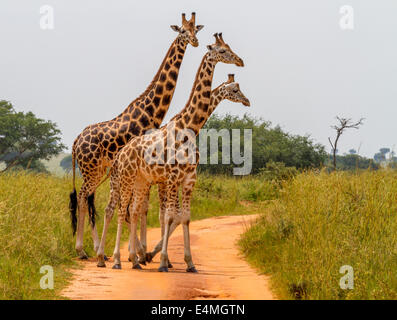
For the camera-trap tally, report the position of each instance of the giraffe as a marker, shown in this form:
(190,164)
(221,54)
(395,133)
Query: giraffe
(95,148)
(229,90)
(139,164)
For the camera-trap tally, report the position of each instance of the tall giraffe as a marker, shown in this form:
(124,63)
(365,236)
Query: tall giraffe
(141,163)
(95,148)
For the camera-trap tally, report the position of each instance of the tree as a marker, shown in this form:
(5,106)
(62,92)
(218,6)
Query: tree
(381,155)
(66,163)
(351,162)
(268,144)
(26,139)
(344,123)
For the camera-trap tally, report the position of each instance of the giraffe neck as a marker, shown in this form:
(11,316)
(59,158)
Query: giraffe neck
(217,95)
(151,106)
(196,111)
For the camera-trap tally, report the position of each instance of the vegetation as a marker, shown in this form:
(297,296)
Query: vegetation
(322,222)
(352,162)
(35,227)
(66,163)
(314,221)
(26,139)
(268,144)
(340,128)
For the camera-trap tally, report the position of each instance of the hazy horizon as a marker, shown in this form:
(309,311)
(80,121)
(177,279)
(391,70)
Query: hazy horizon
(301,69)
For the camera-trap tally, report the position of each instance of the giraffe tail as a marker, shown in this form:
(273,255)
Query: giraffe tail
(73,197)
(91,209)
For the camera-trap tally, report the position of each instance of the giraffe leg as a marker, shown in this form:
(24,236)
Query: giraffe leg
(116,252)
(94,232)
(140,195)
(95,238)
(142,258)
(139,248)
(86,204)
(109,212)
(175,223)
(172,198)
(187,190)
(82,210)
(159,245)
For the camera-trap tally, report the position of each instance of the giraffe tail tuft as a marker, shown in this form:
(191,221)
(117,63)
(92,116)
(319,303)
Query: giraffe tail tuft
(73,210)
(91,209)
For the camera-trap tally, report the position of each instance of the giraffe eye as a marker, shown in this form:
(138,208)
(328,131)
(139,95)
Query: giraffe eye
(222,51)
(235,90)
(183,31)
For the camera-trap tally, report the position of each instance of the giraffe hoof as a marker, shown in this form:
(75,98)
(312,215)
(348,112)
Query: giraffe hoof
(149,257)
(163,269)
(105,258)
(137,266)
(129,259)
(83,257)
(192,270)
(142,262)
(170,265)
(117,266)
(101,264)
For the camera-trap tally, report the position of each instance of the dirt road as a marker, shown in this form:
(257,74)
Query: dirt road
(223,274)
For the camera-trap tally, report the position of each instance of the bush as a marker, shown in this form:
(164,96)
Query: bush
(277,171)
(325,221)
(268,144)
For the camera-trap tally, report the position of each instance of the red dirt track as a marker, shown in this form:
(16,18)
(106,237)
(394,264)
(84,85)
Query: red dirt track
(223,273)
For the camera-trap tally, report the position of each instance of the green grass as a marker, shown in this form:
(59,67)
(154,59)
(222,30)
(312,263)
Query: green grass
(35,227)
(324,221)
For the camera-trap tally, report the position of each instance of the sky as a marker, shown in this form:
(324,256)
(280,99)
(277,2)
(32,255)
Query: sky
(301,68)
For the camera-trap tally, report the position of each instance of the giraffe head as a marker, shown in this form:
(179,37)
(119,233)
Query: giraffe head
(230,90)
(221,52)
(188,31)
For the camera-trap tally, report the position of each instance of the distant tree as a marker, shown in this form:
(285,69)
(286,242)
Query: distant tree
(352,151)
(66,163)
(343,124)
(26,139)
(351,162)
(384,150)
(381,155)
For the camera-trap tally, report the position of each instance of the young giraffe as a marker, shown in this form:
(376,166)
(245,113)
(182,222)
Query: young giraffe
(95,148)
(138,164)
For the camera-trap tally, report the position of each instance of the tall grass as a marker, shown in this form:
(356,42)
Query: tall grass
(325,221)
(35,227)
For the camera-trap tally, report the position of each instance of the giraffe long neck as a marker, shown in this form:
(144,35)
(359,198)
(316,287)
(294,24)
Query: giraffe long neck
(217,95)
(196,111)
(152,105)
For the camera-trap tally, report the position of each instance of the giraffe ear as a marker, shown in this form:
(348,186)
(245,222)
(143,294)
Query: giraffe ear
(175,28)
(199,27)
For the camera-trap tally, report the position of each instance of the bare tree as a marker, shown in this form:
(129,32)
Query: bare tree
(343,124)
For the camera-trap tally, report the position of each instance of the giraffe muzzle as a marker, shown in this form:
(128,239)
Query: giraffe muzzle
(247,103)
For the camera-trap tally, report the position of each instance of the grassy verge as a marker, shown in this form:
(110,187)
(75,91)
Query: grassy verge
(322,222)
(35,227)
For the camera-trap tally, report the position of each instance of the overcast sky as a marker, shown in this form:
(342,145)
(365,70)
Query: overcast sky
(301,68)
